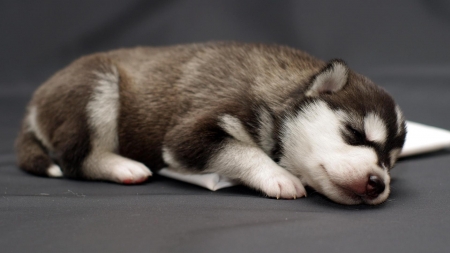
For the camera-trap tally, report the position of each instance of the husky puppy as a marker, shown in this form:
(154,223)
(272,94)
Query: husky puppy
(271,117)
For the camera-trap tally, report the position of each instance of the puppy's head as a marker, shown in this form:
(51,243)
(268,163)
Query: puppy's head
(343,136)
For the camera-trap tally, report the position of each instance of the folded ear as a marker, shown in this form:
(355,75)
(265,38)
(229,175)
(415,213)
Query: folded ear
(329,80)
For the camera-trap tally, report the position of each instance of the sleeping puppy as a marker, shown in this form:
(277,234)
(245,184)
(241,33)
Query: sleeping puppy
(271,117)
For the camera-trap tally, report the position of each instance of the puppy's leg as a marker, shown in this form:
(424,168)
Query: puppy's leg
(253,167)
(103,108)
(32,156)
(72,121)
(221,144)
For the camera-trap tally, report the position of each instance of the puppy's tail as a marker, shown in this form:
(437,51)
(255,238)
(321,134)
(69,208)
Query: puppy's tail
(32,156)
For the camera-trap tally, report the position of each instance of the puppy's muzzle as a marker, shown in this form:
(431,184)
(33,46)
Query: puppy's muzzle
(369,187)
(375,187)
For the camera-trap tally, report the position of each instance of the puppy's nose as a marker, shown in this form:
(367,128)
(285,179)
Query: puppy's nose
(375,186)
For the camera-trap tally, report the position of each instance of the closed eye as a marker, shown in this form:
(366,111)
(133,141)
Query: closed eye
(357,137)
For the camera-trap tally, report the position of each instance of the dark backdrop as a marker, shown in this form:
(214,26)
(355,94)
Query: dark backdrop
(402,45)
(390,41)
(381,37)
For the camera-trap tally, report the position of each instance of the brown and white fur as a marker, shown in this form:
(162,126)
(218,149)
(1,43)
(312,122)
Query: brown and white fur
(272,117)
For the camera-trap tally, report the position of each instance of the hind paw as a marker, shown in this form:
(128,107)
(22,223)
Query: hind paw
(54,171)
(130,172)
(116,168)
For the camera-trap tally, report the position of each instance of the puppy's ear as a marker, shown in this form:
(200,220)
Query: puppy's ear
(329,80)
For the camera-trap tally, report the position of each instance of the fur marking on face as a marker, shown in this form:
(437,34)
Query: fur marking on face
(314,130)
(375,128)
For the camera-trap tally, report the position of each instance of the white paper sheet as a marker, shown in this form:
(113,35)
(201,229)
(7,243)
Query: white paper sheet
(420,139)
(423,139)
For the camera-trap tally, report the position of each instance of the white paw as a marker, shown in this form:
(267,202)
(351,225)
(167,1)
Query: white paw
(129,172)
(118,169)
(282,185)
(54,171)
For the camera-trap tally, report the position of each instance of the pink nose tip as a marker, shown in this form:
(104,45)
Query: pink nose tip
(375,186)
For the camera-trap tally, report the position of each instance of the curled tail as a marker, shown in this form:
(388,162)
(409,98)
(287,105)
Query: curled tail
(32,156)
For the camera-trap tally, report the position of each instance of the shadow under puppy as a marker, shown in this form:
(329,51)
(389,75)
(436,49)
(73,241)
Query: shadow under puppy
(272,117)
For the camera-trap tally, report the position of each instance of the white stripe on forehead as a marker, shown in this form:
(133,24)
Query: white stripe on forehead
(375,128)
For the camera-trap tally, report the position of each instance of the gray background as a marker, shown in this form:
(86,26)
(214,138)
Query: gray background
(402,45)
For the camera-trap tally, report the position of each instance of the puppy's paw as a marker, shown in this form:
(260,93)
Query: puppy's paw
(54,171)
(115,168)
(283,185)
(128,171)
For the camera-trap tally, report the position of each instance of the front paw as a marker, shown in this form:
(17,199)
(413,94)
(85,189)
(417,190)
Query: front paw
(283,185)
